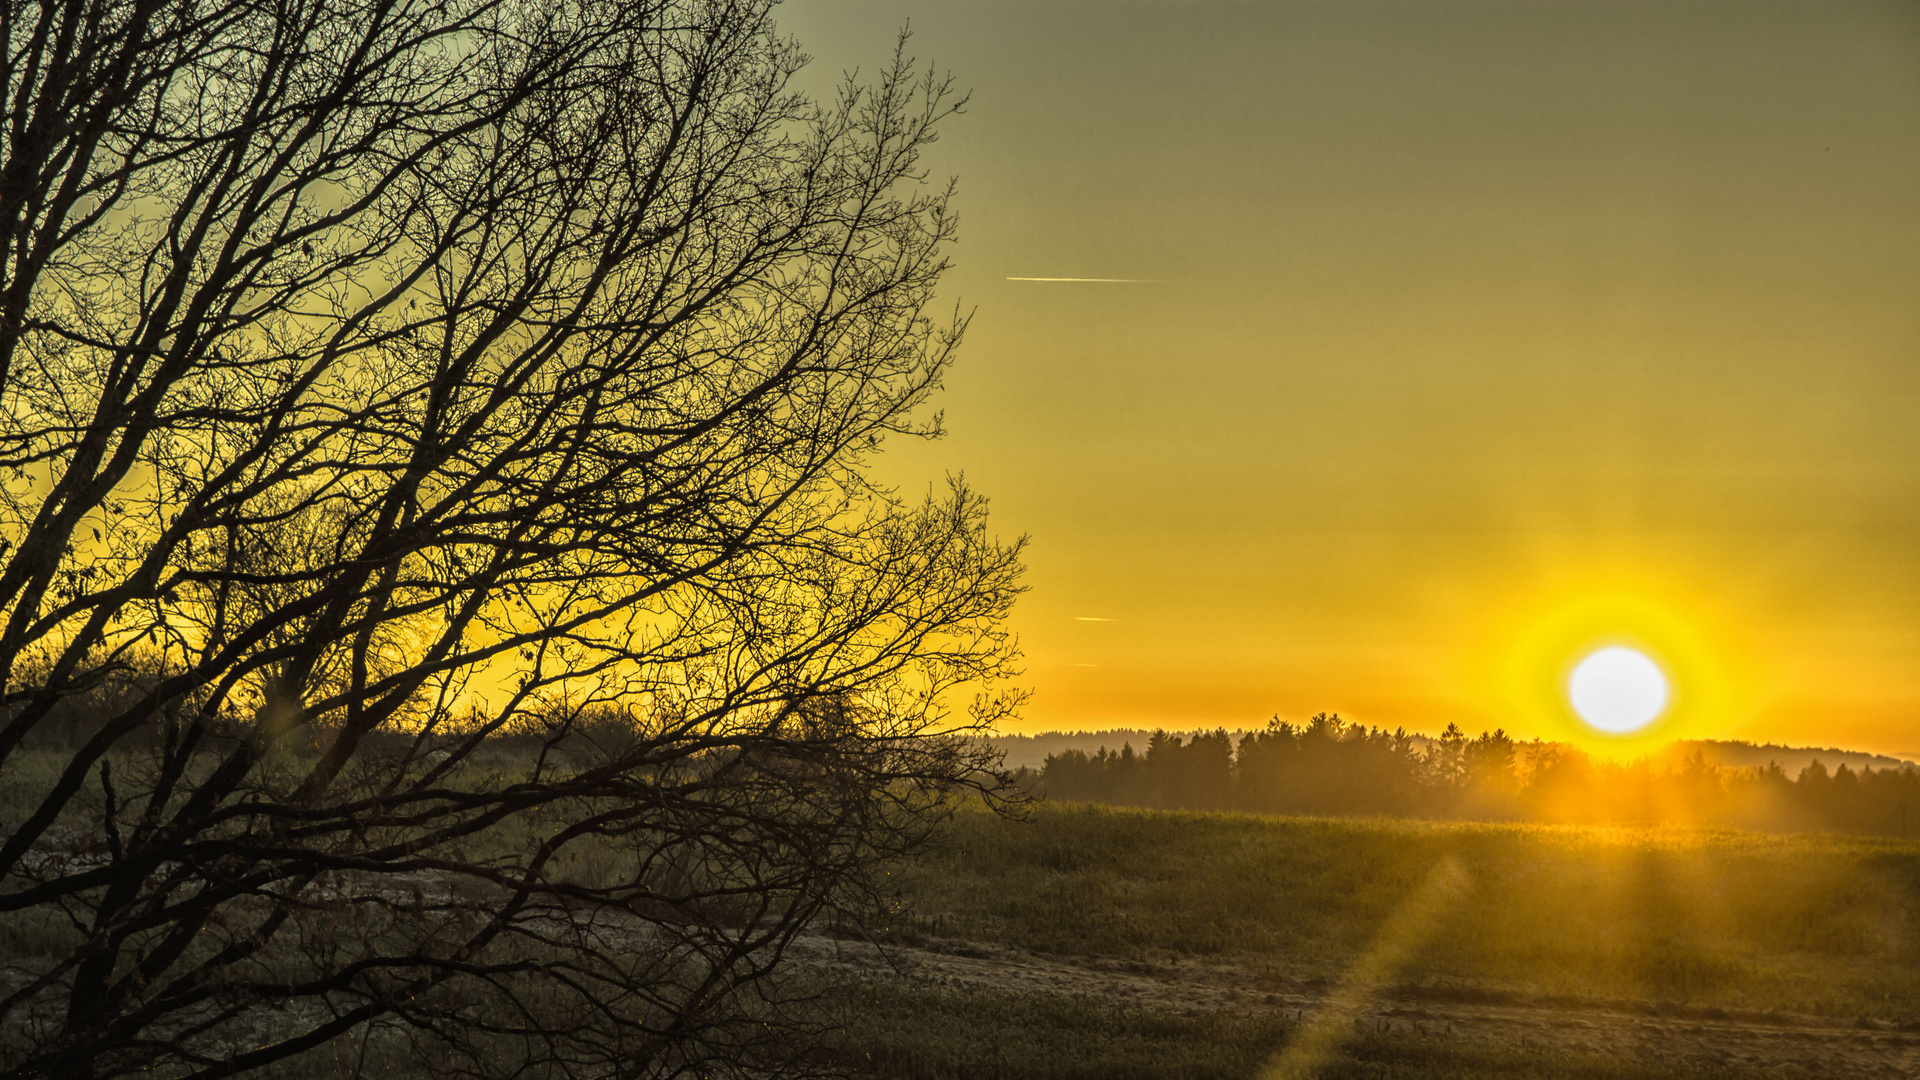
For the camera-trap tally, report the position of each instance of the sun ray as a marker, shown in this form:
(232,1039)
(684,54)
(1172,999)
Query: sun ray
(1409,928)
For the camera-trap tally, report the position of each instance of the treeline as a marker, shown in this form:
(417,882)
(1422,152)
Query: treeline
(1330,766)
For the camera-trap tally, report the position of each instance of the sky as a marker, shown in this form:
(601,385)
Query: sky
(1472,336)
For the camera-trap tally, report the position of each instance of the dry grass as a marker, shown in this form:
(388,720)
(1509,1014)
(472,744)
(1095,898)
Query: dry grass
(1807,923)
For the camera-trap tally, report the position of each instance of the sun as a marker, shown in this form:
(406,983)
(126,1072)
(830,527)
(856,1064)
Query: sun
(1607,661)
(1618,690)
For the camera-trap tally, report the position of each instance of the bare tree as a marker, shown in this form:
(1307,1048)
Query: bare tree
(443,618)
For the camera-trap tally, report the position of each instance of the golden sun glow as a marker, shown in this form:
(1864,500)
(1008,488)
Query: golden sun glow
(1605,660)
(1618,690)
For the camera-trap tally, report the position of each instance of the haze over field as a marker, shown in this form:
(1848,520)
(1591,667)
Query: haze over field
(1453,340)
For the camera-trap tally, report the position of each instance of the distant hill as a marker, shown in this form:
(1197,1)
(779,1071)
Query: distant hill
(1737,754)
(1032,750)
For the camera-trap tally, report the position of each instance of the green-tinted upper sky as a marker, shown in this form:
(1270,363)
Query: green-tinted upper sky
(1479,332)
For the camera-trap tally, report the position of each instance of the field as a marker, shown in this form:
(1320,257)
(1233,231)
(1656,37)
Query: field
(1097,942)
(1093,941)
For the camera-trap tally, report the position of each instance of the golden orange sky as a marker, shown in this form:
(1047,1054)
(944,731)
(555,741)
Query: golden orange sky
(1476,333)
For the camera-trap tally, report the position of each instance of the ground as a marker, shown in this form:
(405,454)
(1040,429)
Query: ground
(1098,942)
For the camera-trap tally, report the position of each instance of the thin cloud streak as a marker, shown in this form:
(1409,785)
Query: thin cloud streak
(1092,618)
(1103,280)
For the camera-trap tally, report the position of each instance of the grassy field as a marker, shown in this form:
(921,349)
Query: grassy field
(1108,942)
(1821,924)
(1755,933)
(947,1035)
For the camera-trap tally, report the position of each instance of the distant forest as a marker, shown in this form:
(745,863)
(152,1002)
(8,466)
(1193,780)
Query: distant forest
(1330,766)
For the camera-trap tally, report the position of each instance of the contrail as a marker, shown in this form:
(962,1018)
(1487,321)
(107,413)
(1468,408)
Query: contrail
(1104,280)
(1090,618)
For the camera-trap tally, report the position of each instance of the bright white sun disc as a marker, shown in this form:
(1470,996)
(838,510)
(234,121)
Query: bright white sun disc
(1617,690)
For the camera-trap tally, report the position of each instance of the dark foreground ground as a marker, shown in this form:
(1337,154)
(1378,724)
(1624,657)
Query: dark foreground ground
(1090,942)
(1094,942)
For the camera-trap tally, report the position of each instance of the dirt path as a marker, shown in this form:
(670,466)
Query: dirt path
(1765,1044)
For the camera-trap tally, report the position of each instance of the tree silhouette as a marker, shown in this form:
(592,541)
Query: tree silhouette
(442,609)
(1332,766)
